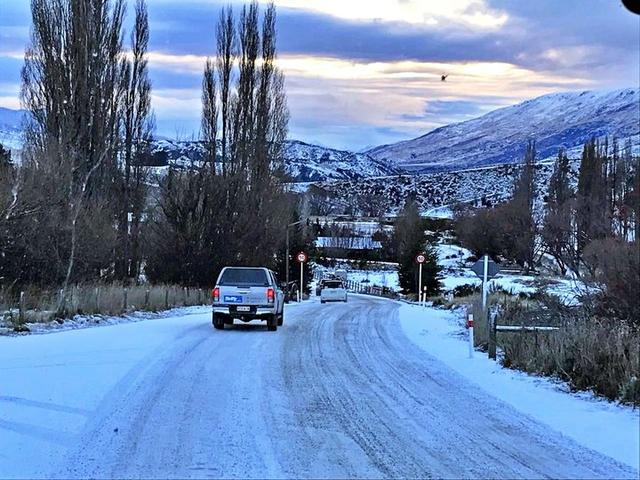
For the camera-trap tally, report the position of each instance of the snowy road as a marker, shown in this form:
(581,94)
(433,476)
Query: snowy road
(338,391)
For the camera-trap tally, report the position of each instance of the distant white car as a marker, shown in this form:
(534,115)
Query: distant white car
(333,291)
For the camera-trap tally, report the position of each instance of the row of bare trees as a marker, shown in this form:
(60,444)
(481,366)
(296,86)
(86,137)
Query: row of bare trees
(590,227)
(231,208)
(82,206)
(79,191)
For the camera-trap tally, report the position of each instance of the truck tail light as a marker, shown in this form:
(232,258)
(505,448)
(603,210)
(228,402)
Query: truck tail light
(215,294)
(271,295)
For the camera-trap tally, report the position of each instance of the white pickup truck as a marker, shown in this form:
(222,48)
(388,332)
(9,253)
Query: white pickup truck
(247,293)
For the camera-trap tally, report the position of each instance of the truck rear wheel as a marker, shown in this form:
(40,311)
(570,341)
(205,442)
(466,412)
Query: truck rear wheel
(272,323)
(218,321)
(281,319)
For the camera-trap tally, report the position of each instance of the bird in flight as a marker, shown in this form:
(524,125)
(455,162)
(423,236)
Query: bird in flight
(444,77)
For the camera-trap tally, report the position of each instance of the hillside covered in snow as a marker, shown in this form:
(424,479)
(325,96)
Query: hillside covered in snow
(11,128)
(303,162)
(436,192)
(556,120)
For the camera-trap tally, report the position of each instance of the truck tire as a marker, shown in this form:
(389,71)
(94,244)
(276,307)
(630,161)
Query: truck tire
(272,323)
(281,319)
(218,321)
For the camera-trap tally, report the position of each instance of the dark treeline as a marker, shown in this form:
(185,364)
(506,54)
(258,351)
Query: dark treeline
(589,227)
(81,206)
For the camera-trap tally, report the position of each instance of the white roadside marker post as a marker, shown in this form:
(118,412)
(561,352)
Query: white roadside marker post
(485,274)
(470,327)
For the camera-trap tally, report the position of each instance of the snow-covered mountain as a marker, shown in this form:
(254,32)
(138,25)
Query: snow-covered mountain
(311,163)
(303,162)
(11,128)
(553,121)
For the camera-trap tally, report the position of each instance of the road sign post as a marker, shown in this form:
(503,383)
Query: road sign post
(302,258)
(420,259)
(486,269)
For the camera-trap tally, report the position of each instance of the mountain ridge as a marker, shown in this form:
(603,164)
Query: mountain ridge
(557,120)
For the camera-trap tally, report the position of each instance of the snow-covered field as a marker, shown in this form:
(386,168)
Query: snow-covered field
(457,272)
(340,390)
(611,429)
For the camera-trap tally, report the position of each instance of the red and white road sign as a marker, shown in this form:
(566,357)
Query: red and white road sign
(302,257)
(421,258)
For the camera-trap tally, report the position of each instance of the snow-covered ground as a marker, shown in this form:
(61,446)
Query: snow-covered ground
(87,321)
(52,385)
(382,275)
(611,429)
(338,391)
(457,272)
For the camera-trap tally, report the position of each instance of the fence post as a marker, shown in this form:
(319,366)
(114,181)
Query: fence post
(184,295)
(97,299)
(492,333)
(146,299)
(166,298)
(471,339)
(21,309)
(124,299)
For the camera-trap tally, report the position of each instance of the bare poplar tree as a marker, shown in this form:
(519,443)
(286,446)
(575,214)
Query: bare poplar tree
(71,87)
(210,115)
(137,127)
(225,60)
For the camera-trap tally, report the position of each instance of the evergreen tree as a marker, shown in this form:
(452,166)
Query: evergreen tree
(557,228)
(592,213)
(520,239)
(408,241)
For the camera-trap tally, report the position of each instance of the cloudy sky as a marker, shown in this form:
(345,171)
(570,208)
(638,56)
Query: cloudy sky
(365,72)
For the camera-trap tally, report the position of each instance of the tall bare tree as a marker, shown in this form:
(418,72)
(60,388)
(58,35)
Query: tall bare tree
(71,86)
(137,127)
(225,60)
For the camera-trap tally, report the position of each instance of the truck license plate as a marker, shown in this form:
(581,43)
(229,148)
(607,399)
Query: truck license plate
(242,308)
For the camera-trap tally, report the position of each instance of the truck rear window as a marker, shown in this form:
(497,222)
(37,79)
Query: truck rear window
(332,284)
(246,277)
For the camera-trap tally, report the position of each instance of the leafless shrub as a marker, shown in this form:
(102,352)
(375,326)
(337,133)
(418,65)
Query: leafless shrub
(589,352)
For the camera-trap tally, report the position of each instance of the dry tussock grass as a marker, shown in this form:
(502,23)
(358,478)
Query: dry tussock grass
(42,305)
